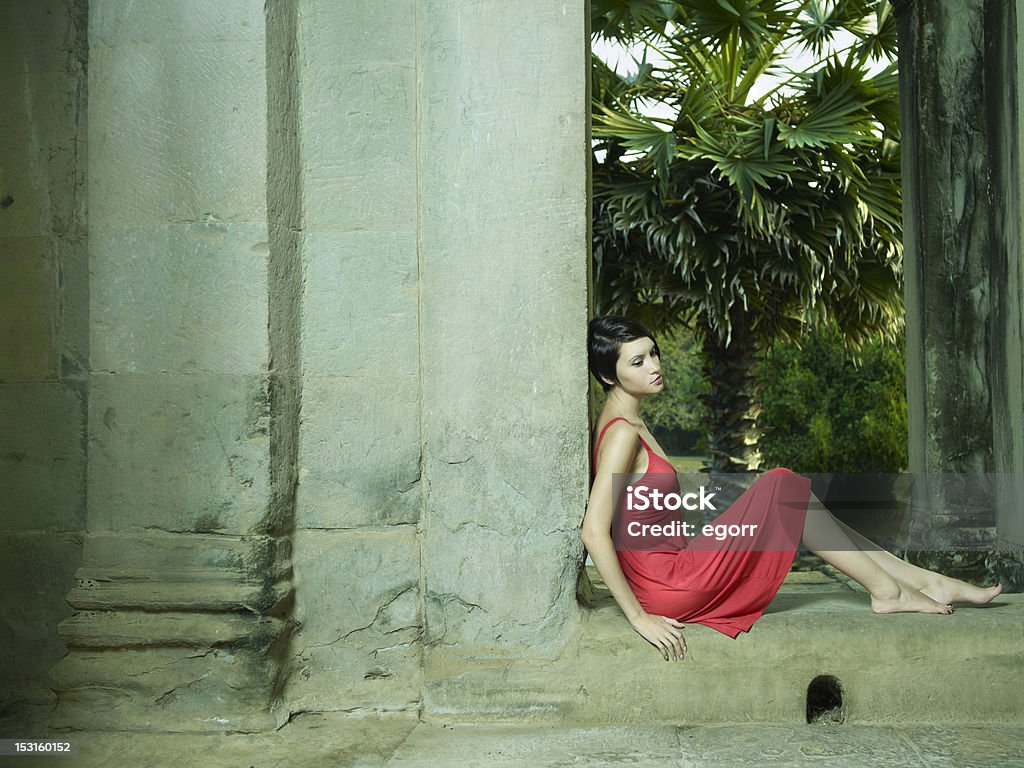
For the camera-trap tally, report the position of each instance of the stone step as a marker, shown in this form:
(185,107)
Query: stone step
(966,667)
(162,571)
(184,573)
(173,631)
(154,594)
(118,629)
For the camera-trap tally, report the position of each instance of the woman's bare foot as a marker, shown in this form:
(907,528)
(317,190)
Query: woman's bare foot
(948,590)
(903,599)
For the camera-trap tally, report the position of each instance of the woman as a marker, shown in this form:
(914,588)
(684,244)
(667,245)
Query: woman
(661,579)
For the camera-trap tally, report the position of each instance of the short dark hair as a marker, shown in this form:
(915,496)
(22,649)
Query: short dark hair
(605,338)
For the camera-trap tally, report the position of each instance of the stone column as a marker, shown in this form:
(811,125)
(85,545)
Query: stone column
(182,595)
(503,245)
(962,223)
(359,498)
(443,452)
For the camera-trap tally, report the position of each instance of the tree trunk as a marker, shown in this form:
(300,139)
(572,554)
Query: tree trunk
(733,402)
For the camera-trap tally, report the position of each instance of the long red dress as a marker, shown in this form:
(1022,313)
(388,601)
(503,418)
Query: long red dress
(723,584)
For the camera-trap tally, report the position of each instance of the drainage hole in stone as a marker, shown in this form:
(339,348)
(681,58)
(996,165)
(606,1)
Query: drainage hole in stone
(825,702)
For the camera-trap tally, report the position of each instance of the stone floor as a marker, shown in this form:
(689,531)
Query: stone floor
(401,741)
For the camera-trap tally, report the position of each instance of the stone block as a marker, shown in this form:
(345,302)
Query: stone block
(151,575)
(42,457)
(177,133)
(36,571)
(359,452)
(178,453)
(72,332)
(361,305)
(359,144)
(34,35)
(183,298)
(962,669)
(28,310)
(357,601)
(192,21)
(171,689)
(507,495)
(358,31)
(39,126)
(246,558)
(493,591)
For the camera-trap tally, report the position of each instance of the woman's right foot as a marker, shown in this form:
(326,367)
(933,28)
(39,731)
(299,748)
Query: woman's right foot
(903,599)
(947,590)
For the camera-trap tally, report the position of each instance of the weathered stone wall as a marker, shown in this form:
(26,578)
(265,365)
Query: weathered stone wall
(443,438)
(338,273)
(44,343)
(503,244)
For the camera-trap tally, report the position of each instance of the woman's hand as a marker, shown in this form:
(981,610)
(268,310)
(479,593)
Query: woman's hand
(663,633)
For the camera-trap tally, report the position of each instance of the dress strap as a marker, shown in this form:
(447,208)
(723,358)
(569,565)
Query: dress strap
(597,444)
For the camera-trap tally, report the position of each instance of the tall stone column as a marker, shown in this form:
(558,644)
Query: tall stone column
(961,128)
(359,496)
(443,450)
(182,596)
(503,245)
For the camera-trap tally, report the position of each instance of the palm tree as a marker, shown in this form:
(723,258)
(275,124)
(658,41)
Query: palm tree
(747,215)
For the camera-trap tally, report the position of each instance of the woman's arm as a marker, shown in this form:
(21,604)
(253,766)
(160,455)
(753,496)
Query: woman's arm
(618,454)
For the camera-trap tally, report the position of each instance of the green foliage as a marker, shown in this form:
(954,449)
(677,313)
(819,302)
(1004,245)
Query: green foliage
(825,412)
(748,214)
(785,203)
(679,406)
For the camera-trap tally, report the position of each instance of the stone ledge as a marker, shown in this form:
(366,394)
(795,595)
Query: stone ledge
(896,668)
(116,629)
(174,596)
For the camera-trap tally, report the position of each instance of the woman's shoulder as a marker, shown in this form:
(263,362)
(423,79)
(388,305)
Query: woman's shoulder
(616,435)
(618,424)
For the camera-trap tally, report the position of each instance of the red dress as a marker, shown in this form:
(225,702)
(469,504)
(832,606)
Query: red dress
(723,583)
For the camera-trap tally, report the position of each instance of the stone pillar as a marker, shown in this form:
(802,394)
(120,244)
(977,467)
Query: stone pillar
(503,243)
(443,466)
(443,458)
(182,594)
(962,223)
(44,334)
(359,499)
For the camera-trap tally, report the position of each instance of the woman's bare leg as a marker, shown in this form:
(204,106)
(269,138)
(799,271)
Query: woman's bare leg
(940,588)
(824,537)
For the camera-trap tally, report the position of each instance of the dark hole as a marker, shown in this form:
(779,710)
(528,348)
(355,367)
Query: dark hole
(6,201)
(825,700)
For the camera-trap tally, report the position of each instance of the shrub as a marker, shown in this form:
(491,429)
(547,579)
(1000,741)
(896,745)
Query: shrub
(824,412)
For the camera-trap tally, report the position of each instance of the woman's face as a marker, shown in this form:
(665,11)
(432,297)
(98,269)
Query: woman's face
(639,368)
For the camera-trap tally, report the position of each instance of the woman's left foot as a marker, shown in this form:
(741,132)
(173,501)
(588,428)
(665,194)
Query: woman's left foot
(947,590)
